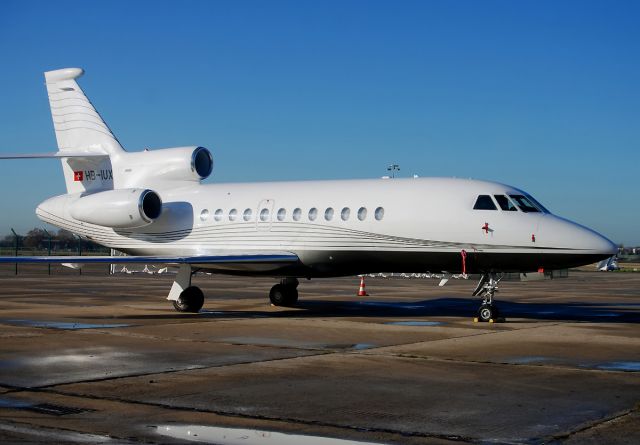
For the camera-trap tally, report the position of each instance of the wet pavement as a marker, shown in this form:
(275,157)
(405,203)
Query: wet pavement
(99,359)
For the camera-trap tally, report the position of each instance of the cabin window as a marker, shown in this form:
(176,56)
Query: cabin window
(204,215)
(328,214)
(297,214)
(379,213)
(484,202)
(362,213)
(264,215)
(346,212)
(247,215)
(218,215)
(313,214)
(233,215)
(524,204)
(282,214)
(505,203)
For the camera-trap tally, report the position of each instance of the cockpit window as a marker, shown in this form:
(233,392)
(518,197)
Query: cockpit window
(537,204)
(525,204)
(484,202)
(505,203)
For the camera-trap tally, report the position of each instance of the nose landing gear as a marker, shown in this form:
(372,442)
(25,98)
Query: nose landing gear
(486,288)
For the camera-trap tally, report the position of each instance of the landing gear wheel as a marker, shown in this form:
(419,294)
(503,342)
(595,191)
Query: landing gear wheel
(190,300)
(487,312)
(283,295)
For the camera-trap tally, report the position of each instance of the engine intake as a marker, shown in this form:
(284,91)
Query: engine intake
(202,162)
(118,209)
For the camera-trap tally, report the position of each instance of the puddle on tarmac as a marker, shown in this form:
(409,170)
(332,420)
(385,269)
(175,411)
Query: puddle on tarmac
(238,436)
(619,366)
(43,408)
(416,323)
(608,366)
(8,402)
(62,325)
(362,346)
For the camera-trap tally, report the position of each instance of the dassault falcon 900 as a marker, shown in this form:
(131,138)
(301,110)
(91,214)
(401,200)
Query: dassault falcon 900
(152,206)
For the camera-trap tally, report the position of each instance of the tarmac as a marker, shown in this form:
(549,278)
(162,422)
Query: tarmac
(106,359)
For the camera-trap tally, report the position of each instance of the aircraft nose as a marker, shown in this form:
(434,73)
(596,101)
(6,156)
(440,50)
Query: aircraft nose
(575,236)
(601,245)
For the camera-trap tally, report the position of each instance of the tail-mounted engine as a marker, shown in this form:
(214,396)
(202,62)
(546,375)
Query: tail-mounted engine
(118,209)
(139,169)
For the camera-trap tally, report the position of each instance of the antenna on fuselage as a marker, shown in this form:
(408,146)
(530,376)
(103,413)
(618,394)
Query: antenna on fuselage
(393,168)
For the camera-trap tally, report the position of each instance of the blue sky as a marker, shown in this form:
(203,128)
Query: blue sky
(543,95)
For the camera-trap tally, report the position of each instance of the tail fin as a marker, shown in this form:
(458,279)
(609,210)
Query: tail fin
(79,128)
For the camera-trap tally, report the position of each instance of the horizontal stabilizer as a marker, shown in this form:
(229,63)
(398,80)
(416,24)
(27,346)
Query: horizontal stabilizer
(200,259)
(54,155)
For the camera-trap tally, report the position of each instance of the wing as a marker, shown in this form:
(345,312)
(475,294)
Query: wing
(54,155)
(199,259)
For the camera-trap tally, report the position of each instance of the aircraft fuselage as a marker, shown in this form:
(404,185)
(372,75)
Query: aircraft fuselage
(345,227)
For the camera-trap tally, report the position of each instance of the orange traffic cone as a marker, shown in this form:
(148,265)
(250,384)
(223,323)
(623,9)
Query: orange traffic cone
(361,291)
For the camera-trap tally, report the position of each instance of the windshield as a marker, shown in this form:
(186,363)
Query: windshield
(542,208)
(525,204)
(505,203)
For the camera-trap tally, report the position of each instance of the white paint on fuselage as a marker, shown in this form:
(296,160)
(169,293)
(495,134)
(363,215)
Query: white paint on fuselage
(422,214)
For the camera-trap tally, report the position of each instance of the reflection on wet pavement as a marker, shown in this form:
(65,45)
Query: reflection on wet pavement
(235,436)
(620,366)
(62,325)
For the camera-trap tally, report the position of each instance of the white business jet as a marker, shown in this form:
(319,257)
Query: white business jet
(152,206)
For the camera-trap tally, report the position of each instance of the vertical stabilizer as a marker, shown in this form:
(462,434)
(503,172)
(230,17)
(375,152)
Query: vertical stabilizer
(79,128)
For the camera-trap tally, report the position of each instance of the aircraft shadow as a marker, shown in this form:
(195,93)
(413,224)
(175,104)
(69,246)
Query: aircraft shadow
(440,307)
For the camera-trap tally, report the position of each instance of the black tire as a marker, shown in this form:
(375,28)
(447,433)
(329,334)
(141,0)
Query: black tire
(292,296)
(487,312)
(281,295)
(190,300)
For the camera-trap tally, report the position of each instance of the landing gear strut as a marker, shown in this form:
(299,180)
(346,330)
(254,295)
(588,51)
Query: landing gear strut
(285,293)
(486,289)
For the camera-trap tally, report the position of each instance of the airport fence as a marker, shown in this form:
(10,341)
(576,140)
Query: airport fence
(40,242)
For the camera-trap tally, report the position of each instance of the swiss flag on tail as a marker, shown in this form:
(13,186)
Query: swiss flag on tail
(77,176)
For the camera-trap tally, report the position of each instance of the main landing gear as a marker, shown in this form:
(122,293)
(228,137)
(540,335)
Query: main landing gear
(285,293)
(185,297)
(487,287)
(188,298)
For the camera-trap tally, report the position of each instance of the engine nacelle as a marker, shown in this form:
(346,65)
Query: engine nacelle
(118,209)
(163,165)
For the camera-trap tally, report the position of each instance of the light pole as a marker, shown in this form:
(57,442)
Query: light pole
(393,168)
(49,235)
(17,240)
(79,252)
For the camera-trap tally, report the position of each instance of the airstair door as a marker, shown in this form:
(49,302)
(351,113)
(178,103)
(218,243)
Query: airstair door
(264,215)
